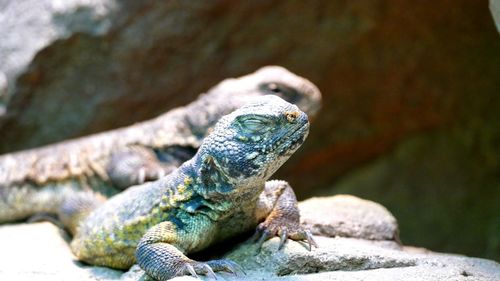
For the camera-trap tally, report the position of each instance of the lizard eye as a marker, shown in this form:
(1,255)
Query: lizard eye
(287,93)
(254,123)
(273,87)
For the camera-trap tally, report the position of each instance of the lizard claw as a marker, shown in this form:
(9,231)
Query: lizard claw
(226,266)
(305,236)
(208,268)
(191,270)
(141,177)
(285,229)
(310,240)
(283,237)
(160,173)
(266,235)
(260,236)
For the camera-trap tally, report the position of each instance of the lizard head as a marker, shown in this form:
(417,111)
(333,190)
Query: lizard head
(250,144)
(274,80)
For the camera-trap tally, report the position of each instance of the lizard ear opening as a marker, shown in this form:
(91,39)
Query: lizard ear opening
(213,177)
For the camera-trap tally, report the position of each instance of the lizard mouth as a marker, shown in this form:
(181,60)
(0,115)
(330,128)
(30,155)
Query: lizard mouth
(291,141)
(287,144)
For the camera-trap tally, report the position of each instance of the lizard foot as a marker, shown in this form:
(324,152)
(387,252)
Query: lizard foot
(207,268)
(285,229)
(136,165)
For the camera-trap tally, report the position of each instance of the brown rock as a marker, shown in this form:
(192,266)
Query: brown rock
(389,70)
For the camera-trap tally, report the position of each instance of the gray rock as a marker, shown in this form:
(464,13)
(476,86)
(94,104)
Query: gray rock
(355,259)
(332,254)
(31,25)
(40,252)
(348,216)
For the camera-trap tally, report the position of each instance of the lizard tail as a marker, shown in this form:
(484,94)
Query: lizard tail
(76,207)
(19,202)
(22,202)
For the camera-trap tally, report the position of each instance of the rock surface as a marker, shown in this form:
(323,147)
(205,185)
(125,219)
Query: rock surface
(389,71)
(426,167)
(354,259)
(40,252)
(348,216)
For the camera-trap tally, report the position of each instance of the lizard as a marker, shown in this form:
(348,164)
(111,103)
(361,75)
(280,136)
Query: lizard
(221,192)
(111,161)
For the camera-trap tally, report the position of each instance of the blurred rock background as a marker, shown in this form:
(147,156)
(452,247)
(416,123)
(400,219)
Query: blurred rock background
(411,113)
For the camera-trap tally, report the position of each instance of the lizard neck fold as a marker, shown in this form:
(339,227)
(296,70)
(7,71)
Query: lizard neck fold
(200,186)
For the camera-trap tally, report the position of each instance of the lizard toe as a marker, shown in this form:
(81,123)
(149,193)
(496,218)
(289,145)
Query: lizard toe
(284,229)
(303,235)
(226,266)
(194,268)
(209,268)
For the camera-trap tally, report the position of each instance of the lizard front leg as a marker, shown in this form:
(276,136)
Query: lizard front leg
(135,165)
(159,253)
(278,205)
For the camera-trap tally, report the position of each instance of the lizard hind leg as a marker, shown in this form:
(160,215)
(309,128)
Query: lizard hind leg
(76,207)
(158,256)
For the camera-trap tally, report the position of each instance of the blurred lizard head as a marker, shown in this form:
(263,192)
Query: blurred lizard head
(275,80)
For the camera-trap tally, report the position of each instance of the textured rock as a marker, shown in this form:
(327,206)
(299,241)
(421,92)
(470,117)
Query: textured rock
(25,257)
(114,63)
(389,70)
(31,25)
(40,252)
(416,179)
(331,255)
(348,216)
(354,259)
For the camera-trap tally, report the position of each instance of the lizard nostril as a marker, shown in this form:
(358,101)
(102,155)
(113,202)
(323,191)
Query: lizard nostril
(291,116)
